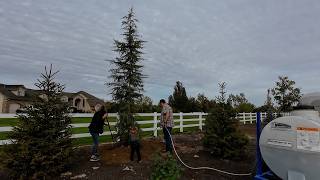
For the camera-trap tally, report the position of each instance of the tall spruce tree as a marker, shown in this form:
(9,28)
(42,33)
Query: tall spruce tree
(127,77)
(222,136)
(41,145)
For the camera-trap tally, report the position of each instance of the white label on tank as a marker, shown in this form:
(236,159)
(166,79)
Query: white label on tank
(276,142)
(308,139)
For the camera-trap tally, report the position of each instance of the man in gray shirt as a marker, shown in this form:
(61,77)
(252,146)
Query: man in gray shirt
(167,123)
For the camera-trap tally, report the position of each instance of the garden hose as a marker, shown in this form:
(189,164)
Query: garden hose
(204,168)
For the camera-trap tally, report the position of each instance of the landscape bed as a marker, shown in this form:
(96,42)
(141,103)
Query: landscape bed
(189,147)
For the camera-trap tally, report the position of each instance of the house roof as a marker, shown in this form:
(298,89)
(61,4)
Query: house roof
(6,92)
(92,100)
(30,93)
(12,86)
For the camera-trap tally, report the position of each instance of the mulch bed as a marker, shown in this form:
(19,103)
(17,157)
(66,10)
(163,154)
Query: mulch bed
(115,160)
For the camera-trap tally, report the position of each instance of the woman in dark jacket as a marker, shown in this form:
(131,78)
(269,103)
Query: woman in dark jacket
(96,128)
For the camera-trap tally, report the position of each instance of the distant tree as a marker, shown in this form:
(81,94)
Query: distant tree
(286,94)
(240,103)
(127,77)
(179,100)
(270,108)
(245,107)
(204,103)
(236,100)
(144,105)
(193,104)
(41,145)
(222,136)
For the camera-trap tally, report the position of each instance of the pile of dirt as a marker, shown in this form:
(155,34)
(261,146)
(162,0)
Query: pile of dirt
(121,155)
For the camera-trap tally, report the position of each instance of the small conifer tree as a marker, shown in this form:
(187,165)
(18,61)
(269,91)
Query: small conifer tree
(222,137)
(41,144)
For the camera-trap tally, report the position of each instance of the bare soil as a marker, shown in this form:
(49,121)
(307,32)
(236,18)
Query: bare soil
(115,163)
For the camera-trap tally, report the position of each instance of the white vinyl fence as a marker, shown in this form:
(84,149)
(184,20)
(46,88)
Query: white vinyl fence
(182,120)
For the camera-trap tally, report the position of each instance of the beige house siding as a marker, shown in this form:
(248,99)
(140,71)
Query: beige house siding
(2,98)
(80,102)
(14,97)
(13,107)
(19,92)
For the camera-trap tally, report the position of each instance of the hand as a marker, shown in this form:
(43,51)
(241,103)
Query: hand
(105,116)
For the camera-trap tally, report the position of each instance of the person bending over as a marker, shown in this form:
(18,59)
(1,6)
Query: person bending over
(167,123)
(96,128)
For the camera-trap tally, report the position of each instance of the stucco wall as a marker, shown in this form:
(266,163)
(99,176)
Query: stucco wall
(13,107)
(1,103)
(19,92)
(86,107)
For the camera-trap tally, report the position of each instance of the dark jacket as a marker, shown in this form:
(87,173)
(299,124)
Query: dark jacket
(96,125)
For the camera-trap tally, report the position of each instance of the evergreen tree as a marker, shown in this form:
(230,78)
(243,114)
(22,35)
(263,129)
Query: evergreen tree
(285,94)
(193,105)
(222,136)
(203,102)
(41,140)
(179,100)
(127,77)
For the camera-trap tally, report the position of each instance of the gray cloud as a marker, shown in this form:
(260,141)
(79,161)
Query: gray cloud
(246,43)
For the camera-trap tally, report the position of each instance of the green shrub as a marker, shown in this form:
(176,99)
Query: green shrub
(222,136)
(165,168)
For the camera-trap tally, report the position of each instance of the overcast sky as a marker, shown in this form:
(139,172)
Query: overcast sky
(246,43)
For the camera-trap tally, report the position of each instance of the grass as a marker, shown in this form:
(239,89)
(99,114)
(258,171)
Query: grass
(88,140)
(8,121)
(3,135)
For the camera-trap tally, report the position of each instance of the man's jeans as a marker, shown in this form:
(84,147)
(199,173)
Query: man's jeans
(167,138)
(95,137)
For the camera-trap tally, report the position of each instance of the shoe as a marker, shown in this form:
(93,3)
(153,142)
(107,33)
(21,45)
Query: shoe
(94,159)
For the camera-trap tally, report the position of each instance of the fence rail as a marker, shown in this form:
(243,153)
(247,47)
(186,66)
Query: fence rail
(182,120)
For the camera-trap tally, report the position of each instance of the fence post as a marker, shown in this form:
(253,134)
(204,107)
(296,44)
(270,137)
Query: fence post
(155,124)
(181,122)
(244,117)
(118,117)
(250,118)
(200,121)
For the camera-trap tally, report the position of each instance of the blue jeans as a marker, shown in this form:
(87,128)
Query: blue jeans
(167,138)
(95,138)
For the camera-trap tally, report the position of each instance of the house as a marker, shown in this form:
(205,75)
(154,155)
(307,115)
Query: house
(14,97)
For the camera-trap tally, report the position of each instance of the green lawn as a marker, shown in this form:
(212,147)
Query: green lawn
(8,121)
(88,140)
(3,135)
